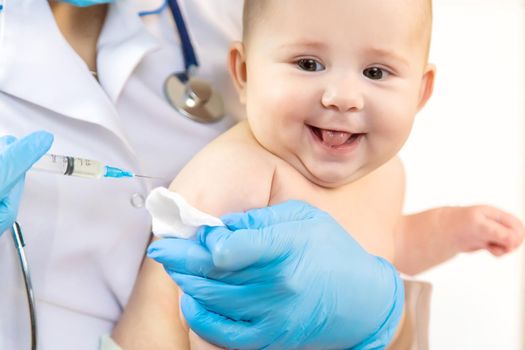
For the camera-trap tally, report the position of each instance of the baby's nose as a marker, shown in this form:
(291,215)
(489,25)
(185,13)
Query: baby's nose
(344,95)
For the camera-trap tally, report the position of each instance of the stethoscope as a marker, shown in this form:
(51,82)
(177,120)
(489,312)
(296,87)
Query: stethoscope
(18,238)
(193,97)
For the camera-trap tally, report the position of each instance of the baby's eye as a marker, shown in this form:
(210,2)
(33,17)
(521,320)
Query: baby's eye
(375,73)
(310,65)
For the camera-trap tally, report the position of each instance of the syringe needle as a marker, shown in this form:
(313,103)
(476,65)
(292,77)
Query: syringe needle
(147,177)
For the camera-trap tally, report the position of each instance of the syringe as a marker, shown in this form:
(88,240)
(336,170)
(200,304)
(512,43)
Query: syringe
(87,168)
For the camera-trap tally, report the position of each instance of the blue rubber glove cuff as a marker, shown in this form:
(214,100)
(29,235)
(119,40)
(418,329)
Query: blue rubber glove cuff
(383,336)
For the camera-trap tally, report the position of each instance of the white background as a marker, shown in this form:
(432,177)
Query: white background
(467,147)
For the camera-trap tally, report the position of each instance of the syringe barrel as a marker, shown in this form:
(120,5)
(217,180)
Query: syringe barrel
(70,166)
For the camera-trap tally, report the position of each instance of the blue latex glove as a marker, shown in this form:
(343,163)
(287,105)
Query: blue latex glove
(283,277)
(16,157)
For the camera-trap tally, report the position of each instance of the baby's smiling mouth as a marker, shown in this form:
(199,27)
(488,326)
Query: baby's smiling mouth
(334,138)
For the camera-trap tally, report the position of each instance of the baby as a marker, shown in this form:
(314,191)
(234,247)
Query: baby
(331,89)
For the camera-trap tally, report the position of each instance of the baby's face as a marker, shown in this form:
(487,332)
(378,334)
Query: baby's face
(333,86)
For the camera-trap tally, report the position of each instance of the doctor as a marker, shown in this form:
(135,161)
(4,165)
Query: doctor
(94,77)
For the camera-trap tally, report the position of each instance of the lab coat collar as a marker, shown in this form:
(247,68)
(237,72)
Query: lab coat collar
(122,44)
(38,65)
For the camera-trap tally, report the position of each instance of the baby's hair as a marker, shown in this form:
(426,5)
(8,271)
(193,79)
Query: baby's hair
(254,9)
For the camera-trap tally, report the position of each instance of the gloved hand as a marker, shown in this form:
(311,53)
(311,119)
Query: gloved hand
(283,277)
(16,157)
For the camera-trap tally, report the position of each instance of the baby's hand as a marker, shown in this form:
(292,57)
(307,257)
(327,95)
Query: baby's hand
(482,227)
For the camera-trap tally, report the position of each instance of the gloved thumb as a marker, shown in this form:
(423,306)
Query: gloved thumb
(19,156)
(248,238)
(237,250)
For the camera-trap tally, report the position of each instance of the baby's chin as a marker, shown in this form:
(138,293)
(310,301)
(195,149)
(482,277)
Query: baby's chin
(330,179)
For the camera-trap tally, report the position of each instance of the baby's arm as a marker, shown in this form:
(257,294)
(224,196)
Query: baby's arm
(151,317)
(218,180)
(429,238)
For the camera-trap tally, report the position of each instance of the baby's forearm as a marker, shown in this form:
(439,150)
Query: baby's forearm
(426,239)
(422,242)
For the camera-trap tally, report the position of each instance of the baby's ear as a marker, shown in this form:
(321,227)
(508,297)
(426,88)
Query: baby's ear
(237,67)
(427,85)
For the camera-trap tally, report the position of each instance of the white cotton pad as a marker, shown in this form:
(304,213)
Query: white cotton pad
(172,216)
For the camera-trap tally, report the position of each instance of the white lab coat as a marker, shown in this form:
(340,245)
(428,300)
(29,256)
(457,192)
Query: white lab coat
(85,240)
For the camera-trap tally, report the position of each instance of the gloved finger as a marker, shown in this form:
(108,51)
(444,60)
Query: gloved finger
(19,156)
(221,330)
(288,211)
(9,206)
(233,301)
(182,256)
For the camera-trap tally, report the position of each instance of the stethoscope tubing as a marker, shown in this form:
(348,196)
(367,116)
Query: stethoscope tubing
(188,52)
(18,239)
(191,61)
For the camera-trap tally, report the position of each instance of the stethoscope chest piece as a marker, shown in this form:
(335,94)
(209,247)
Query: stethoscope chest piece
(195,99)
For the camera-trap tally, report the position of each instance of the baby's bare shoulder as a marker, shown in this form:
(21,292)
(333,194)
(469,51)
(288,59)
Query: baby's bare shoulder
(388,191)
(389,178)
(233,173)
(383,191)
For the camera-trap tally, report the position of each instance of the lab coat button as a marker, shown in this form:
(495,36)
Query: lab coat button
(137,200)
